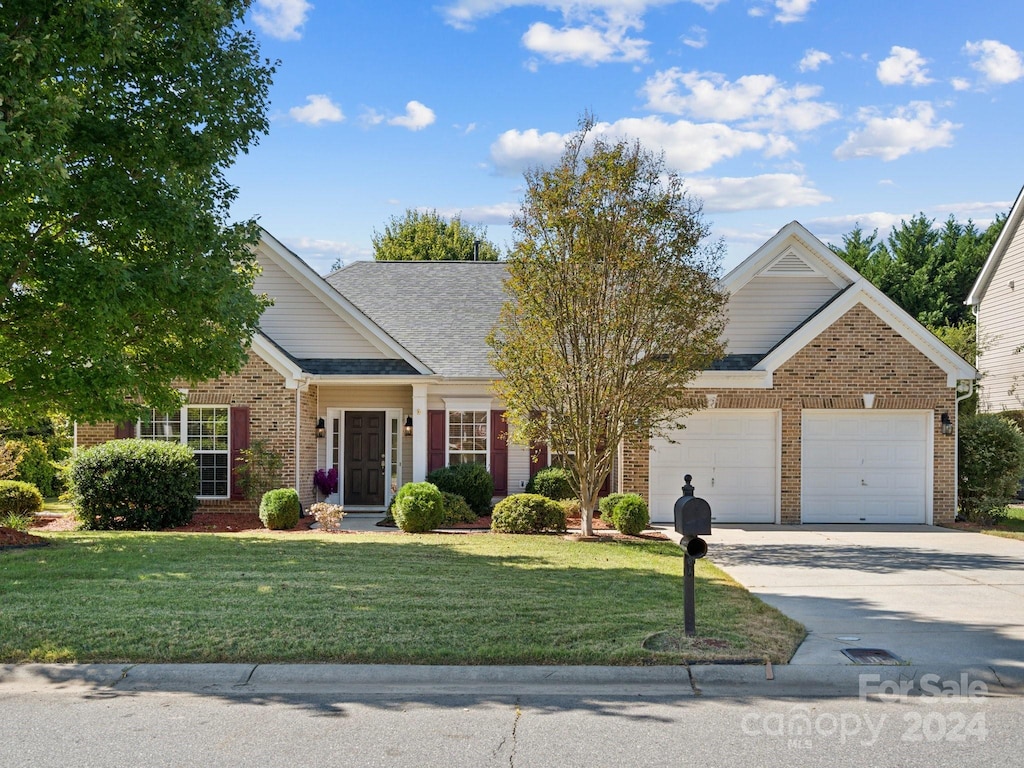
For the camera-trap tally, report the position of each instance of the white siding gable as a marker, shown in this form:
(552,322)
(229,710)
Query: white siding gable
(1001,330)
(777,300)
(303,324)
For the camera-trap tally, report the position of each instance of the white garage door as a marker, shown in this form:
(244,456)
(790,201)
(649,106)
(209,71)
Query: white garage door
(733,457)
(866,466)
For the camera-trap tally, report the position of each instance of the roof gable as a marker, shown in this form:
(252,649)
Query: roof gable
(1010,230)
(311,320)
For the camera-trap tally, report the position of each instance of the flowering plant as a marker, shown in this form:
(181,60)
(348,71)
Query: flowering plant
(328,515)
(326,480)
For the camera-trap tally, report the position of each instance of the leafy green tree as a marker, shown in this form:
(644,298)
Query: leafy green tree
(428,236)
(613,306)
(120,271)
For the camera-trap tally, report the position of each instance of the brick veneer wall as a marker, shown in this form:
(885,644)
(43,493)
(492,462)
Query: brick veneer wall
(271,419)
(857,354)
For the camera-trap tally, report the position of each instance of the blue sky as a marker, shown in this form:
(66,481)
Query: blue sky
(829,112)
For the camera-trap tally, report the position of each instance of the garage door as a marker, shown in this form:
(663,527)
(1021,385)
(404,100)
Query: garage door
(866,466)
(733,457)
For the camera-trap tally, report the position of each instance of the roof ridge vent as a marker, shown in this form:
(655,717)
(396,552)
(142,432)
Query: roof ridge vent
(790,264)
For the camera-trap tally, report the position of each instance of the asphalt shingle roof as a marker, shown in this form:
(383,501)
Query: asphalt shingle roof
(441,311)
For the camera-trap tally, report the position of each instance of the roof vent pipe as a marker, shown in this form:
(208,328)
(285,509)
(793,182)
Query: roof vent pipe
(476,250)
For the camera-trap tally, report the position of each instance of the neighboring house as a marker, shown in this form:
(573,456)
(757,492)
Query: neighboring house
(997,299)
(830,405)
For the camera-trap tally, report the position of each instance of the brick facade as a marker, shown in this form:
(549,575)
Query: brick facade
(859,353)
(271,420)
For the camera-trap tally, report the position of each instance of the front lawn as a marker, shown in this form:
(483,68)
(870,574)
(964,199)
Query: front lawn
(373,598)
(1011,527)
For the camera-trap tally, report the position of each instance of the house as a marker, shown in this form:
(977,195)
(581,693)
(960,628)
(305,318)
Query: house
(831,405)
(997,299)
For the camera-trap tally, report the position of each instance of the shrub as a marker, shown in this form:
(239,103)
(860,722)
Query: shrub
(527,513)
(552,482)
(280,509)
(630,515)
(328,515)
(135,485)
(419,507)
(9,459)
(19,499)
(571,507)
(607,505)
(259,470)
(470,481)
(456,509)
(991,463)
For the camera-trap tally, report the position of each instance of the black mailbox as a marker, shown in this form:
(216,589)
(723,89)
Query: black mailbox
(692,514)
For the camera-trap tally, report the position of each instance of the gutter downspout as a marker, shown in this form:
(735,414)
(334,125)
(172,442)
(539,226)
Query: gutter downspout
(956,446)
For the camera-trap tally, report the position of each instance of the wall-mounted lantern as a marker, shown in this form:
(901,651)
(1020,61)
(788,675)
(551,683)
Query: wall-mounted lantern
(321,429)
(408,426)
(947,425)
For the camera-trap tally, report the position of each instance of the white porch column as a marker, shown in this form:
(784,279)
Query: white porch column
(419,433)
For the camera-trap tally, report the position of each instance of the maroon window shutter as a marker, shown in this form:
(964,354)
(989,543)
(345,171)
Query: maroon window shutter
(124,430)
(239,437)
(435,440)
(499,453)
(538,457)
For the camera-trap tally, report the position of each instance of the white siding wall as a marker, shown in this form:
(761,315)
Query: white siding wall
(766,309)
(518,468)
(1001,332)
(302,324)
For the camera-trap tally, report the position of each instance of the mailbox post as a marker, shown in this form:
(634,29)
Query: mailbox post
(692,520)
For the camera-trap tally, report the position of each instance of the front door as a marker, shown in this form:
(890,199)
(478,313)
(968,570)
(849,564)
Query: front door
(364,458)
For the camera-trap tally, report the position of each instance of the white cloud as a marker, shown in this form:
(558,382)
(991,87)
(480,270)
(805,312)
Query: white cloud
(586,45)
(767,191)
(912,128)
(498,214)
(960,83)
(281,18)
(462,14)
(318,109)
(980,213)
(321,254)
(758,101)
(371,116)
(904,65)
(813,59)
(697,37)
(792,10)
(417,117)
(688,147)
(997,62)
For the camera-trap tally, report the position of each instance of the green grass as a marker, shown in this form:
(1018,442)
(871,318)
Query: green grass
(1012,527)
(428,599)
(54,504)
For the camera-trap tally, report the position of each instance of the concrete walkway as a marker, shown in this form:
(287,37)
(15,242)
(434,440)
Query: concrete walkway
(934,597)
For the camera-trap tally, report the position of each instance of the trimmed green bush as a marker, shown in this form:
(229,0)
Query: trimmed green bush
(470,481)
(280,509)
(19,499)
(135,485)
(552,482)
(527,513)
(630,516)
(991,463)
(571,507)
(456,509)
(606,506)
(419,507)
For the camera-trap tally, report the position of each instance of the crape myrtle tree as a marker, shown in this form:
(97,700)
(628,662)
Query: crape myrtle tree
(120,270)
(613,306)
(429,236)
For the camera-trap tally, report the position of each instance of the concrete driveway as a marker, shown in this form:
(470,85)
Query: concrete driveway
(932,596)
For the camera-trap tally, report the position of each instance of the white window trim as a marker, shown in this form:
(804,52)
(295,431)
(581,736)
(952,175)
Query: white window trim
(467,404)
(183,439)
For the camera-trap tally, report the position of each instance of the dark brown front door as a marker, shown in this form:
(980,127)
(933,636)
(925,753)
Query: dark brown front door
(364,458)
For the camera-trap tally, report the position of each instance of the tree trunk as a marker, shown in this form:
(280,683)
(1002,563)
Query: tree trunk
(586,520)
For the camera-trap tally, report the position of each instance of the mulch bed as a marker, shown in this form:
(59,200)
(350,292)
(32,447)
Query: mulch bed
(244,522)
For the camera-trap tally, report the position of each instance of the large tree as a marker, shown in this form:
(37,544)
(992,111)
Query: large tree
(429,236)
(613,306)
(121,272)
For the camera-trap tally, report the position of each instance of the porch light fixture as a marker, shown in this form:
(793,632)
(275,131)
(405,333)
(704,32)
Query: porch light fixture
(869,400)
(408,426)
(947,425)
(321,428)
